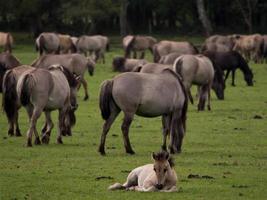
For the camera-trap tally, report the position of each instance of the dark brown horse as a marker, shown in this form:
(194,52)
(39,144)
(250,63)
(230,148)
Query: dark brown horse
(7,61)
(230,62)
(122,64)
(147,95)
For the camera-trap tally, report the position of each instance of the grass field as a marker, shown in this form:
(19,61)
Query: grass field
(227,143)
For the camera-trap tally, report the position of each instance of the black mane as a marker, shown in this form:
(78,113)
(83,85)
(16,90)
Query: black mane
(162,155)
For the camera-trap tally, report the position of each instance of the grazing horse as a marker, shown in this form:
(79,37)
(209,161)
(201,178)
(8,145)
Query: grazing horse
(169,58)
(75,63)
(159,176)
(10,101)
(7,61)
(66,44)
(44,90)
(6,41)
(147,95)
(122,64)
(196,69)
(165,47)
(230,61)
(96,44)
(138,43)
(250,46)
(211,46)
(47,43)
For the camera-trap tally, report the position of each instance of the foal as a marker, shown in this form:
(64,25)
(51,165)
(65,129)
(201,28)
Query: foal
(159,176)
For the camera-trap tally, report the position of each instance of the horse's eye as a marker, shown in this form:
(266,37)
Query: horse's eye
(165,170)
(154,169)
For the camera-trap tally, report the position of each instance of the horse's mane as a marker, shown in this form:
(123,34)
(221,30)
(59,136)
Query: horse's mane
(69,76)
(162,155)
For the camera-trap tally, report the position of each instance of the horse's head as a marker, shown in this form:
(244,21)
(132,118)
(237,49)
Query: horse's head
(249,78)
(162,166)
(118,64)
(90,66)
(218,84)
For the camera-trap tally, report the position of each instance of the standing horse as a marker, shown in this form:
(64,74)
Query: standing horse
(10,101)
(196,69)
(42,90)
(159,176)
(230,61)
(169,58)
(47,43)
(165,47)
(75,63)
(7,61)
(218,43)
(147,95)
(66,44)
(6,41)
(138,43)
(122,64)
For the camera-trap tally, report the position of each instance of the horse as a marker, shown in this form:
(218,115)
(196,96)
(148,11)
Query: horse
(250,46)
(159,176)
(196,69)
(138,43)
(218,43)
(229,62)
(75,63)
(264,51)
(66,44)
(93,44)
(165,47)
(154,68)
(7,61)
(10,101)
(122,64)
(44,90)
(169,58)
(47,43)
(6,41)
(147,95)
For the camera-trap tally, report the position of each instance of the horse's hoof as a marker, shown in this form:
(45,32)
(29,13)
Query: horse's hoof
(63,132)
(45,139)
(59,140)
(131,152)
(209,108)
(86,98)
(37,141)
(10,132)
(18,134)
(164,148)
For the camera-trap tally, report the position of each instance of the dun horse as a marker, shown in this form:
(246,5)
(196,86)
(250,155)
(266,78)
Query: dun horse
(122,64)
(196,70)
(42,90)
(147,95)
(47,43)
(6,41)
(10,101)
(159,176)
(75,63)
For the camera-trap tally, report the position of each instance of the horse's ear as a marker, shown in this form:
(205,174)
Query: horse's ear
(167,155)
(154,156)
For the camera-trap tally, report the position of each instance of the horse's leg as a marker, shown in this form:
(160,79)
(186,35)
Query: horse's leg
(202,97)
(11,127)
(174,133)
(84,83)
(106,127)
(18,133)
(233,77)
(181,131)
(134,54)
(61,126)
(142,56)
(128,118)
(165,130)
(209,89)
(227,74)
(34,114)
(49,126)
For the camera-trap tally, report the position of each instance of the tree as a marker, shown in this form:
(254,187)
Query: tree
(203,17)
(123,17)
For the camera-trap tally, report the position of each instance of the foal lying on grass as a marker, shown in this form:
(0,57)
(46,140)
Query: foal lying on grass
(159,176)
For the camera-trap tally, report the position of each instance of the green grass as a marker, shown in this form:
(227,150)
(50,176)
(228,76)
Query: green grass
(226,143)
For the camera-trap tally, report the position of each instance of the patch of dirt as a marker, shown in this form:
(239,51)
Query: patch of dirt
(111,147)
(114,135)
(197,176)
(240,129)
(4,138)
(239,186)
(125,171)
(104,177)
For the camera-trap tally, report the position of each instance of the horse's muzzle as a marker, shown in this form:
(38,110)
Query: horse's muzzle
(159,186)
(74,107)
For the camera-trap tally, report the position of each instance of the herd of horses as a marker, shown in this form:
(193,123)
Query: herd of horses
(148,89)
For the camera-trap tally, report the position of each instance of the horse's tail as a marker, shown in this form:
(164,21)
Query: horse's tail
(116,186)
(137,68)
(129,47)
(195,49)
(73,47)
(156,55)
(106,98)
(185,106)
(72,117)
(9,41)
(9,97)
(108,45)
(24,89)
(177,67)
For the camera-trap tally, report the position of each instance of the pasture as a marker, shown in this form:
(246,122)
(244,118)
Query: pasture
(223,154)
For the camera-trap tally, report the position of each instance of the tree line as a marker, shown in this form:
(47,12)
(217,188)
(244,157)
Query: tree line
(134,16)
